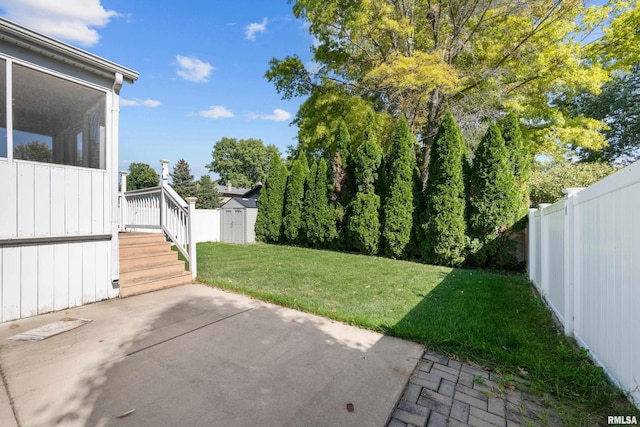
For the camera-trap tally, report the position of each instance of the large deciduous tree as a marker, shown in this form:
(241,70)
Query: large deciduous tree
(243,163)
(479,57)
(268,225)
(443,222)
(141,175)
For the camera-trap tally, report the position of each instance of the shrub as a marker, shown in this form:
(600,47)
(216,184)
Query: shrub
(294,194)
(445,241)
(519,159)
(398,206)
(268,225)
(318,215)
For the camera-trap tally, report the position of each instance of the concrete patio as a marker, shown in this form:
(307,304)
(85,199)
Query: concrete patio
(193,356)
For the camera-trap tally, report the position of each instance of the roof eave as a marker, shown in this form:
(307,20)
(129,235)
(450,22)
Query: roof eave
(45,45)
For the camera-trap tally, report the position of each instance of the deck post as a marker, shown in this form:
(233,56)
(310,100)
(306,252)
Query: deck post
(124,209)
(192,241)
(164,182)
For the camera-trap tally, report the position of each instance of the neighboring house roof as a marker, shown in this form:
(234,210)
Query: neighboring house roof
(253,193)
(28,39)
(229,191)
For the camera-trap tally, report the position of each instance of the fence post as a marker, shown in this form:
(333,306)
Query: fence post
(569,259)
(534,231)
(544,250)
(164,181)
(193,265)
(124,209)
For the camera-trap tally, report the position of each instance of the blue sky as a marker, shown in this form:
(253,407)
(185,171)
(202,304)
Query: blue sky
(201,66)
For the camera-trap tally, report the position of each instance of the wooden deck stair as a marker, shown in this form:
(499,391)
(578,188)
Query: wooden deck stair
(148,264)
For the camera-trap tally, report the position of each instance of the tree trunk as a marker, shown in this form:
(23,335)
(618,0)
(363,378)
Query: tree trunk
(429,133)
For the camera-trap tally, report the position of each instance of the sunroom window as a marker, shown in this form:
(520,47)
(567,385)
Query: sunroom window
(56,120)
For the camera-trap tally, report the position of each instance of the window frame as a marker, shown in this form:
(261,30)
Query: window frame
(9,61)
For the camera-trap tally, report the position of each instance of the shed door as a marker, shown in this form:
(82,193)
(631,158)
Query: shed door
(233,226)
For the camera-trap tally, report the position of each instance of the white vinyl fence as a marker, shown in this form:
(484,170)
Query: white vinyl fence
(584,258)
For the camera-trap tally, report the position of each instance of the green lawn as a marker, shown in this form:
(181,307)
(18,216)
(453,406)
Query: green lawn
(495,320)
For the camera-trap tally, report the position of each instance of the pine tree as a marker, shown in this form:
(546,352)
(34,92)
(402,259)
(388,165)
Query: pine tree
(495,202)
(182,180)
(318,214)
(268,225)
(398,206)
(519,158)
(293,199)
(444,239)
(207,194)
(363,224)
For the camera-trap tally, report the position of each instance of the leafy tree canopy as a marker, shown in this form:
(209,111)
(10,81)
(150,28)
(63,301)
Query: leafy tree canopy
(35,151)
(141,175)
(243,163)
(480,58)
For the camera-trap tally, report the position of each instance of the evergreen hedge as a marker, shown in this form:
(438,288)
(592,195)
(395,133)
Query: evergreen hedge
(294,194)
(319,220)
(268,225)
(398,206)
(444,228)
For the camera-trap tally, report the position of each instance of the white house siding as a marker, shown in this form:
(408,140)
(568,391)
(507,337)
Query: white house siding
(41,278)
(48,204)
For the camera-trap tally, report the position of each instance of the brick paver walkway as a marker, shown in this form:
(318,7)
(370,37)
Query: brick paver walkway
(446,392)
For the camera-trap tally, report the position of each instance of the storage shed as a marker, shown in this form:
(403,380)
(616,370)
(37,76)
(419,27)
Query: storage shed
(238,218)
(59,109)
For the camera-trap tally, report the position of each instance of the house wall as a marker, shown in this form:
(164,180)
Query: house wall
(58,223)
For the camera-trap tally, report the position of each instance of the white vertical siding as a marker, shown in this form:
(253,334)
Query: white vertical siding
(26,200)
(42,200)
(60,277)
(602,304)
(45,274)
(8,212)
(71,195)
(11,280)
(58,200)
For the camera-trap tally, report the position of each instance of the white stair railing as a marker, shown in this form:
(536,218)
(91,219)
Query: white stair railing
(161,208)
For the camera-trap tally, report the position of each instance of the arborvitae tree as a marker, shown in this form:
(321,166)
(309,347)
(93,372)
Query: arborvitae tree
(318,215)
(363,226)
(182,180)
(495,197)
(207,193)
(444,240)
(519,158)
(293,199)
(342,189)
(398,204)
(268,225)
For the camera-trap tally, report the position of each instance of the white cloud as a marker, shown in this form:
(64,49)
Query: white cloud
(136,102)
(254,27)
(278,115)
(73,21)
(193,69)
(216,112)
